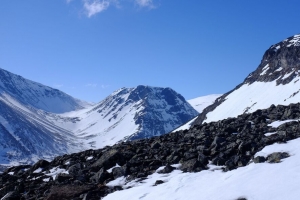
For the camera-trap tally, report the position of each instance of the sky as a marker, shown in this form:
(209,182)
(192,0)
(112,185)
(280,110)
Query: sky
(90,48)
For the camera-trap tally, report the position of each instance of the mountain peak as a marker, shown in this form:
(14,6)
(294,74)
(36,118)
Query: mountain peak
(135,113)
(275,81)
(280,63)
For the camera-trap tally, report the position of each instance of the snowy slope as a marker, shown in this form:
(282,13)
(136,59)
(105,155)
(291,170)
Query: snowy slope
(275,81)
(253,182)
(128,113)
(37,95)
(26,135)
(199,104)
(202,102)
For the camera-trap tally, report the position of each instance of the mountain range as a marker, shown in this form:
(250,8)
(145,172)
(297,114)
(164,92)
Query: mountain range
(243,145)
(38,121)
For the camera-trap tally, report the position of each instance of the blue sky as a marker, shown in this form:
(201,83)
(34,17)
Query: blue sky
(89,48)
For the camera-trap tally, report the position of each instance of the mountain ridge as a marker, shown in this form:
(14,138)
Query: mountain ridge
(278,73)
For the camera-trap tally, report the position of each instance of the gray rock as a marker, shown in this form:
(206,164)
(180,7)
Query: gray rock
(259,159)
(277,156)
(100,176)
(168,169)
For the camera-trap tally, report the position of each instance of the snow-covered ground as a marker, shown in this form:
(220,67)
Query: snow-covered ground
(202,102)
(258,95)
(254,182)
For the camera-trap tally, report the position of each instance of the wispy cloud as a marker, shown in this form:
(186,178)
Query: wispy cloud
(58,85)
(93,7)
(104,86)
(91,85)
(145,3)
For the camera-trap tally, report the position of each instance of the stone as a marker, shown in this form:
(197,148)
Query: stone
(118,172)
(192,165)
(259,159)
(60,178)
(12,196)
(202,159)
(167,169)
(67,191)
(108,160)
(100,176)
(277,156)
(158,182)
(155,145)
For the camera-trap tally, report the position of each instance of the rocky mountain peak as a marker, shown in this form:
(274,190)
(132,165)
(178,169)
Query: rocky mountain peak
(281,62)
(275,81)
(149,111)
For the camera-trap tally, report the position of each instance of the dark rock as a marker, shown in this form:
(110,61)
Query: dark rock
(167,169)
(277,156)
(259,159)
(100,176)
(219,161)
(39,164)
(202,159)
(118,172)
(158,182)
(14,195)
(155,145)
(67,191)
(74,169)
(108,160)
(60,178)
(192,165)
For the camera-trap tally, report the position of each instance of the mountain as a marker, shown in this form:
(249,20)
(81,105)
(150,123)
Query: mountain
(26,135)
(37,121)
(36,95)
(253,156)
(275,81)
(128,114)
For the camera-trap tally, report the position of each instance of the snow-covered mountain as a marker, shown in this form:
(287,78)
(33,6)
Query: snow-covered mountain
(128,114)
(26,135)
(36,95)
(35,124)
(275,81)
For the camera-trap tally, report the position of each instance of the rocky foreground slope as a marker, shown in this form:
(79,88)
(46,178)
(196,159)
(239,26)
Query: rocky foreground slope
(230,143)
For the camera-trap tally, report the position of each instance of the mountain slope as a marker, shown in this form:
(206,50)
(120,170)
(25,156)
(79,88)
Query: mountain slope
(275,81)
(37,95)
(26,135)
(128,114)
(199,104)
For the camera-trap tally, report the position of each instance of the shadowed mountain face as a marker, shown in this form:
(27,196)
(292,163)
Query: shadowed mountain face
(275,81)
(37,95)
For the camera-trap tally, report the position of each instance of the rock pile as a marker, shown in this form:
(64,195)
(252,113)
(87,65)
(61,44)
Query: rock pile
(230,143)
